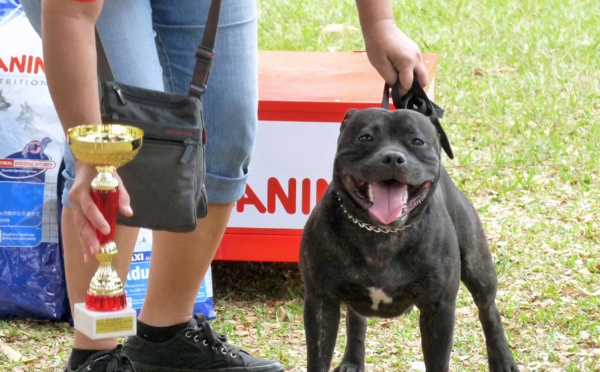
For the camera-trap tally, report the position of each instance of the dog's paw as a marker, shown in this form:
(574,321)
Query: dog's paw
(349,367)
(501,360)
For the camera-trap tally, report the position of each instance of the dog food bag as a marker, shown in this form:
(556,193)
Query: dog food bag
(31,271)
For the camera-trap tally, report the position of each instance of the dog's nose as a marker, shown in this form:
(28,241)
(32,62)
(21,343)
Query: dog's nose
(394,157)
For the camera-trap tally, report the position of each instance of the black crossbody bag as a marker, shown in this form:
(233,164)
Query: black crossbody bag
(165,181)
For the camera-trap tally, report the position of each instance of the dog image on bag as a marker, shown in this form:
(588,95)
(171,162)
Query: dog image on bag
(4,105)
(391,232)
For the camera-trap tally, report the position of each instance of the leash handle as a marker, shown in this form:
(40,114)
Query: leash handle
(416,99)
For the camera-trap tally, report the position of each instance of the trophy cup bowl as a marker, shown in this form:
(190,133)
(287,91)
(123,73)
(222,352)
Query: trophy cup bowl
(105,147)
(105,144)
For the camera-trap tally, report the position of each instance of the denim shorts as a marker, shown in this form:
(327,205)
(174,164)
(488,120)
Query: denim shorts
(151,43)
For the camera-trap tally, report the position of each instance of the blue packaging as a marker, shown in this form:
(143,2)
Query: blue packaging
(32,283)
(137,279)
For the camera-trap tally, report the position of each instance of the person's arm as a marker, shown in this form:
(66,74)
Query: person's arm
(393,54)
(69,50)
(70,59)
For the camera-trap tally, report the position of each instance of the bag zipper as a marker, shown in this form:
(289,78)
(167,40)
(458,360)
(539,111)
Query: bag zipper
(188,143)
(121,96)
(189,148)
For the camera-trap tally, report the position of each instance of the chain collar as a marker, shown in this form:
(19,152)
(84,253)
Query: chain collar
(367,226)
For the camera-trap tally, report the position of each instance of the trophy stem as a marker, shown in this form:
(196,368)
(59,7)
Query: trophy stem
(106,288)
(107,202)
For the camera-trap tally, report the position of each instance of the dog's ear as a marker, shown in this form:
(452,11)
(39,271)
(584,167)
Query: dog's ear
(443,138)
(349,114)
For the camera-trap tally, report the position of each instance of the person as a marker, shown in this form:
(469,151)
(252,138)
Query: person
(150,44)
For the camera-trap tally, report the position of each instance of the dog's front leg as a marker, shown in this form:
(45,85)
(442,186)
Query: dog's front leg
(479,277)
(321,323)
(354,356)
(437,329)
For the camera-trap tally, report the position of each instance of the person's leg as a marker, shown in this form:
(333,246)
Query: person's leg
(179,263)
(181,260)
(126,29)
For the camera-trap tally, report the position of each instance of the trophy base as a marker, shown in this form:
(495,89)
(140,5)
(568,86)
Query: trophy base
(105,324)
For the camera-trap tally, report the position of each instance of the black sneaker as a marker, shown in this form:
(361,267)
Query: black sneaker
(196,348)
(105,361)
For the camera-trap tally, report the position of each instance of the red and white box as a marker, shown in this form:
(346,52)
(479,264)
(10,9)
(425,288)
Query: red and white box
(303,97)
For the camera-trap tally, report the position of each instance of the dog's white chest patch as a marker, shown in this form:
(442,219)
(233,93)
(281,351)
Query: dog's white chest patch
(378,296)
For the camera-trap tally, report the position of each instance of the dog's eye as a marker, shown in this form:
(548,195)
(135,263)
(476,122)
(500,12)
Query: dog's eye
(365,138)
(417,142)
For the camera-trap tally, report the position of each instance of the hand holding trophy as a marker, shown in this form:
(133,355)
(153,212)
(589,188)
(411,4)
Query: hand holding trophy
(106,147)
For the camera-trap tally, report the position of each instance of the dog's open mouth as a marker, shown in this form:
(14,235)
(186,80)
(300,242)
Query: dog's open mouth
(387,200)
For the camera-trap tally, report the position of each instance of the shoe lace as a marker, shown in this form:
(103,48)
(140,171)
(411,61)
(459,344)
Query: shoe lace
(218,342)
(116,362)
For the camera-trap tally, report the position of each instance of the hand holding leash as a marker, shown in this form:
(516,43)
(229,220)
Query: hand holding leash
(393,54)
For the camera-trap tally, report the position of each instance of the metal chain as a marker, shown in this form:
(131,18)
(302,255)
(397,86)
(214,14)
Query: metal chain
(367,226)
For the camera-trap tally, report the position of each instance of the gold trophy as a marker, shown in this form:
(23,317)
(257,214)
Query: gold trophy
(106,147)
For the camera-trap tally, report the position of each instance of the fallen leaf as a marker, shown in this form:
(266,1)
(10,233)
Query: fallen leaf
(281,312)
(11,354)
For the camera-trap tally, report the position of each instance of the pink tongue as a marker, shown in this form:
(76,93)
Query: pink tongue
(388,201)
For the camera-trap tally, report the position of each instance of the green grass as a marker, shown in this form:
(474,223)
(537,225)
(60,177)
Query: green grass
(521,87)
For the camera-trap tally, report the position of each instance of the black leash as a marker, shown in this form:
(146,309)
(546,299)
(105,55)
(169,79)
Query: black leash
(416,99)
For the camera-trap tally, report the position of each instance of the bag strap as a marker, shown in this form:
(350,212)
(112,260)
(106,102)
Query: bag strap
(416,99)
(104,70)
(204,54)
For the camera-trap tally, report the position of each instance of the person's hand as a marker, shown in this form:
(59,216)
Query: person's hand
(86,216)
(394,55)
